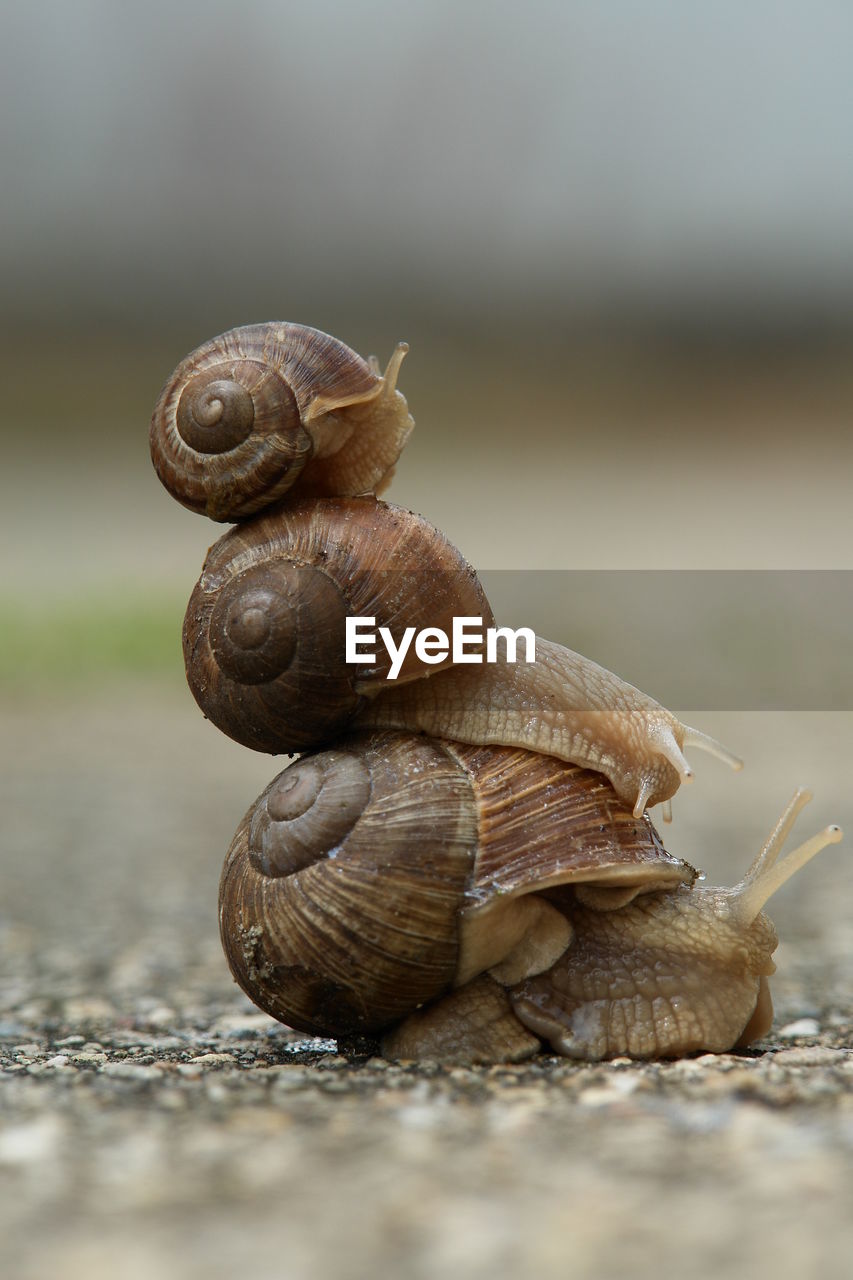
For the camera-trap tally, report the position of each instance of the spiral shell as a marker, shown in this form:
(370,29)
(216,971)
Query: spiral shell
(269,409)
(367,932)
(264,633)
(370,879)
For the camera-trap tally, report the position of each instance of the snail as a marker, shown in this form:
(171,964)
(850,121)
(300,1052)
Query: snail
(265,652)
(270,409)
(470,903)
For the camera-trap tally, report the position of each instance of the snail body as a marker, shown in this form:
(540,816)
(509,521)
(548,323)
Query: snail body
(467,903)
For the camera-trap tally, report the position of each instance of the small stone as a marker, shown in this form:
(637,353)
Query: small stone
(161,1016)
(244,1025)
(598,1096)
(290,1078)
(802,1027)
(29,1142)
(189,1070)
(88,1009)
(130,1071)
(613,1090)
(812,1056)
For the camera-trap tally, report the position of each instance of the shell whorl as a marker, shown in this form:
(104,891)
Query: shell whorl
(340,893)
(264,410)
(306,812)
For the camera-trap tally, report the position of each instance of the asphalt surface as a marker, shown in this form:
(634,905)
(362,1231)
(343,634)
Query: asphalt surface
(155,1124)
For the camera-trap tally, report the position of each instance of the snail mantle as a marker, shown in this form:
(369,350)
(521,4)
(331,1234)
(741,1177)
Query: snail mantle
(461,864)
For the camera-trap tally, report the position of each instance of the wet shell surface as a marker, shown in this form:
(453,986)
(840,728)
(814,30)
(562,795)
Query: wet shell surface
(264,632)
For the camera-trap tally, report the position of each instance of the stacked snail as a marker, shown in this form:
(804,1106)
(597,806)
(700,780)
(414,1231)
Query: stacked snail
(460,863)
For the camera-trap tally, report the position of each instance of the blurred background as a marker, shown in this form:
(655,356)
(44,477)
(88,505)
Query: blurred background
(619,240)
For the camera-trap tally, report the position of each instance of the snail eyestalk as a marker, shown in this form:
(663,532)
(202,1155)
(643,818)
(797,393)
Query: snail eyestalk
(704,741)
(766,874)
(671,751)
(644,794)
(392,372)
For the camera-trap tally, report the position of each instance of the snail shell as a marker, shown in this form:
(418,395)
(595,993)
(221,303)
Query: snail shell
(264,633)
(372,878)
(270,409)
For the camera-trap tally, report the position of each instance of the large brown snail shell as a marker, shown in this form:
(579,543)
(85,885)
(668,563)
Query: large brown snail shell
(264,633)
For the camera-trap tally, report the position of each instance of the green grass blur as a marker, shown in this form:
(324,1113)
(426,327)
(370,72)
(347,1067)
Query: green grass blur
(75,644)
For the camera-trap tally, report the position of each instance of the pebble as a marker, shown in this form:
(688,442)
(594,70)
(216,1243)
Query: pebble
(131,1071)
(241,1025)
(88,1009)
(29,1142)
(812,1056)
(802,1027)
(603,1095)
(287,1078)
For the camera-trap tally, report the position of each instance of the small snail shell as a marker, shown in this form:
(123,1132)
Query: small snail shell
(469,902)
(264,641)
(374,877)
(270,409)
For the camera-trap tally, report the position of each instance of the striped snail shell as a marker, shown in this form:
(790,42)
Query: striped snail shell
(264,633)
(272,409)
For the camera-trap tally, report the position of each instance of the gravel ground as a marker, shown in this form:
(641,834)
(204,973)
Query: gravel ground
(155,1124)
